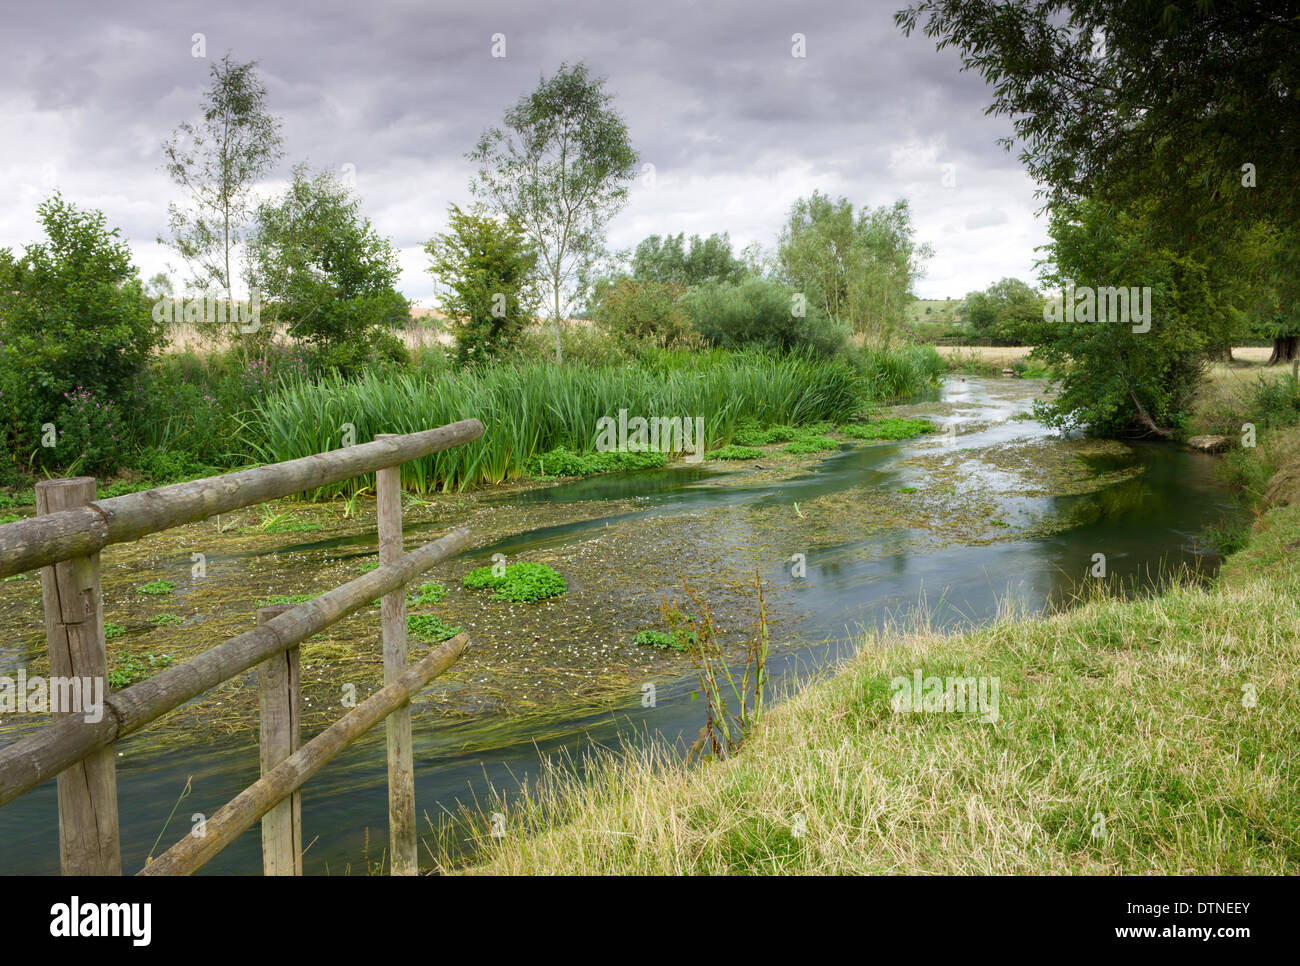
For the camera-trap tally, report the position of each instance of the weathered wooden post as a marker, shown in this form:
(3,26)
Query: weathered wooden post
(74,635)
(279,735)
(401,764)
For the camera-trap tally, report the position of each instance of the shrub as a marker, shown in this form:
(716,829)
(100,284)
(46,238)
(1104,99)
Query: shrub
(156,587)
(73,318)
(760,312)
(644,310)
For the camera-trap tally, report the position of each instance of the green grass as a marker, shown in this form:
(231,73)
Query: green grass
(164,620)
(156,588)
(562,462)
(521,583)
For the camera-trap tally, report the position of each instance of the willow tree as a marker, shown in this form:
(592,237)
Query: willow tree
(559,167)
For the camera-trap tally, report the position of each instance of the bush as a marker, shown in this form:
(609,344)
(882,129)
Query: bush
(642,310)
(73,318)
(92,434)
(760,312)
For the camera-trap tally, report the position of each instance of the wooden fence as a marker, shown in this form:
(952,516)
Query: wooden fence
(64,540)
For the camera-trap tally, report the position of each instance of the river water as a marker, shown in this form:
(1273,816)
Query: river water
(1146,519)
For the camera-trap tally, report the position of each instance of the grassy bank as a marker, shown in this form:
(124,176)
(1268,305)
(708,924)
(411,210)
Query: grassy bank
(1158,735)
(531,408)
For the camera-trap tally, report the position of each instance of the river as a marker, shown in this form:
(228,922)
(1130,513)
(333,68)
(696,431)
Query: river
(1021,542)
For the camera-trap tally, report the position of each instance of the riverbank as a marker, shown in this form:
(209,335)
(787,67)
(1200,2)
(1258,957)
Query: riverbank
(1148,736)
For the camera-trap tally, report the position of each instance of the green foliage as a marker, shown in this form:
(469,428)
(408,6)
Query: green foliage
(733,452)
(487,268)
(216,163)
(888,429)
(530,408)
(762,313)
(858,270)
(430,628)
(642,310)
(812,444)
(1008,312)
(73,320)
(286,599)
(900,371)
(93,436)
(430,593)
(130,668)
(522,583)
(164,620)
(678,640)
(327,275)
(671,261)
(1116,381)
(562,462)
(156,588)
(561,167)
(112,630)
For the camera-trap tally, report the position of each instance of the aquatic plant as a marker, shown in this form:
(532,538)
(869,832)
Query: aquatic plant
(888,429)
(522,583)
(812,444)
(156,587)
(430,593)
(430,628)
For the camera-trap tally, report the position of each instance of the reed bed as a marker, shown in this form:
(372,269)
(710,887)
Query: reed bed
(531,407)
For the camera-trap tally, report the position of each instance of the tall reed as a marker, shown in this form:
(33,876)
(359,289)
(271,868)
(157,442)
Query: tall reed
(530,407)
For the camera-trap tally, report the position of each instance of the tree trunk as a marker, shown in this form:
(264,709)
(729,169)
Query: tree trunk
(1221,353)
(558,359)
(1285,348)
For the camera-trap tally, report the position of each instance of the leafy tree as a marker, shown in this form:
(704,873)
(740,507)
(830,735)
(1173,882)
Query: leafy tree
(1119,381)
(560,168)
(73,320)
(859,268)
(1188,105)
(671,260)
(216,162)
(1008,312)
(643,310)
(326,273)
(488,270)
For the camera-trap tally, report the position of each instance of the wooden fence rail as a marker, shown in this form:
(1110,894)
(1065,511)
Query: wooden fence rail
(65,539)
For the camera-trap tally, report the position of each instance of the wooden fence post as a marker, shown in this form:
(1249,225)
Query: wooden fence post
(403,858)
(74,634)
(280,732)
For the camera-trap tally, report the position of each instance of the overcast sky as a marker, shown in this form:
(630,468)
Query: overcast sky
(735,126)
